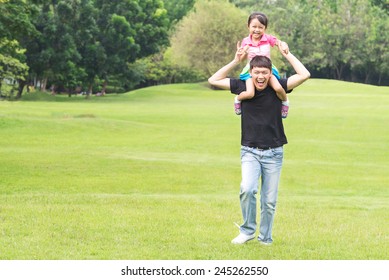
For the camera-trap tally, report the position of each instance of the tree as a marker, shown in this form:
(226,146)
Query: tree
(206,38)
(372,61)
(335,39)
(11,66)
(177,9)
(81,42)
(348,40)
(52,54)
(129,30)
(14,25)
(382,4)
(160,69)
(15,19)
(90,48)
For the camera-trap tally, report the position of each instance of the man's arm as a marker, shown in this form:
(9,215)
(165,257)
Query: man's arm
(219,79)
(302,73)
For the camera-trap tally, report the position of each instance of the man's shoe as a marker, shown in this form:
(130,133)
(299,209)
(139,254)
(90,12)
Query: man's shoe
(264,243)
(242,238)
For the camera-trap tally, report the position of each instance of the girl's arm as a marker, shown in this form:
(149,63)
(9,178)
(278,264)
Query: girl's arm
(275,84)
(274,41)
(249,93)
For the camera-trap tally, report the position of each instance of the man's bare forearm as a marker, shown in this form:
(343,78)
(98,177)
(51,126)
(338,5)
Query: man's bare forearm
(219,79)
(302,73)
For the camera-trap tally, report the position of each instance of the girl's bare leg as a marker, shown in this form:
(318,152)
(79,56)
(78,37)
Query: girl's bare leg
(248,94)
(275,84)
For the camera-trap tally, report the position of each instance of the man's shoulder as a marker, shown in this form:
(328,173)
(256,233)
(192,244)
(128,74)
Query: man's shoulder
(283,82)
(237,85)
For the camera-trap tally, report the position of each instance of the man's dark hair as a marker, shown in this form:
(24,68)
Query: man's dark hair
(260,61)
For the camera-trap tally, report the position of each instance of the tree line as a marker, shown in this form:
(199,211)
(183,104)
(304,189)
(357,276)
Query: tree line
(81,45)
(102,45)
(345,40)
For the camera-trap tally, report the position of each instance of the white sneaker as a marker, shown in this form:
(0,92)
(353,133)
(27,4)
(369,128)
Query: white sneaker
(242,238)
(264,243)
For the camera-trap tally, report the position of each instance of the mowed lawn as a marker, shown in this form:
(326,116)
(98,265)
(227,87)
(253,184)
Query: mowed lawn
(154,174)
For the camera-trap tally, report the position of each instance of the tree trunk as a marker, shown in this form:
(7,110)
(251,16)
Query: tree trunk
(52,89)
(379,78)
(367,77)
(43,84)
(104,87)
(20,88)
(339,72)
(89,92)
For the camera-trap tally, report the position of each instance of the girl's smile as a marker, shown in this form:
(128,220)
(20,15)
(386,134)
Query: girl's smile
(256,29)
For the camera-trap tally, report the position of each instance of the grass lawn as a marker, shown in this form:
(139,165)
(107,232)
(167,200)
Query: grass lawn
(154,174)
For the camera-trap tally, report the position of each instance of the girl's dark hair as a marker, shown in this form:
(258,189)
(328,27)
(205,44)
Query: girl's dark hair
(262,18)
(260,61)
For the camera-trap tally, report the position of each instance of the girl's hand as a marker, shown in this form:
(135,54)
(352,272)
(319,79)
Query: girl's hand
(241,53)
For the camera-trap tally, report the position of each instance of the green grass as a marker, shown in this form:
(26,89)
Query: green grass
(155,173)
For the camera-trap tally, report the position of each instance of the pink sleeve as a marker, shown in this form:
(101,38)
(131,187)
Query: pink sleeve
(271,39)
(245,42)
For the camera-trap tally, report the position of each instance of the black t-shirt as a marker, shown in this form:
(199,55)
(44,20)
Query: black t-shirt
(261,121)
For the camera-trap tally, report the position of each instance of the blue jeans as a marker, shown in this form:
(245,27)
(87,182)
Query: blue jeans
(256,164)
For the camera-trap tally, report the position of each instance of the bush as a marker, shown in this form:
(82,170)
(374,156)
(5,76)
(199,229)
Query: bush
(160,69)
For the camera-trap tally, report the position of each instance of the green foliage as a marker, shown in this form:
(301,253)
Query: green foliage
(147,28)
(373,57)
(14,24)
(90,43)
(80,41)
(10,60)
(15,19)
(160,69)
(335,38)
(206,38)
(382,4)
(177,9)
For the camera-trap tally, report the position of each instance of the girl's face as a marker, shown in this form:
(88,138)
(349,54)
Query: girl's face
(256,29)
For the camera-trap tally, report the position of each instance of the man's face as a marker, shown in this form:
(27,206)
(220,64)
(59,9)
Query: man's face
(261,77)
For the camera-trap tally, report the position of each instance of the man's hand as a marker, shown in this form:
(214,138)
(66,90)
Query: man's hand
(283,47)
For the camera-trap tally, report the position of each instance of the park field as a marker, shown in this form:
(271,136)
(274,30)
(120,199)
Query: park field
(154,174)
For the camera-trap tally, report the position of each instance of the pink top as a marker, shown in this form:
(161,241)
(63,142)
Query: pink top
(262,48)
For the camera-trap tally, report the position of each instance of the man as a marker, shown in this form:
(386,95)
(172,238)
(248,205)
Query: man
(262,139)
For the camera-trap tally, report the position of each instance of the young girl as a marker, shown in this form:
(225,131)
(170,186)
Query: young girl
(259,43)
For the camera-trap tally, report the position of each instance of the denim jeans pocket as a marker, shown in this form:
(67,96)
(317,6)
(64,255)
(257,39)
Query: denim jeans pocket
(244,150)
(278,152)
